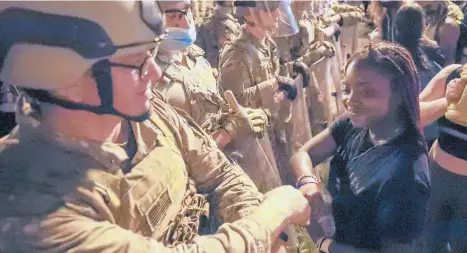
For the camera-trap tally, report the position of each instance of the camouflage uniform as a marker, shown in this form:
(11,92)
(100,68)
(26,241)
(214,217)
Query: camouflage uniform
(192,88)
(246,65)
(61,194)
(217,29)
(202,9)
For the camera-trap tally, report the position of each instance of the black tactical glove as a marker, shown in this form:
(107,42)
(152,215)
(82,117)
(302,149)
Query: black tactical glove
(287,85)
(300,68)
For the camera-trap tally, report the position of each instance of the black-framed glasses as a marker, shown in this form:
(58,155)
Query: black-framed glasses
(143,68)
(184,12)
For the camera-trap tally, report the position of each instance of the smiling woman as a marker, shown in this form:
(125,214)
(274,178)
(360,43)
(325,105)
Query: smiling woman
(379,172)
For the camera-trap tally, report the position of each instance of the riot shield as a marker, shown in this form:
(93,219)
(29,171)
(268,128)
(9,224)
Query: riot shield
(255,156)
(316,100)
(336,73)
(321,75)
(301,132)
(349,40)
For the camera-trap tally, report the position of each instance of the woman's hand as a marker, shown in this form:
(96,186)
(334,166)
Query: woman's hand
(312,193)
(454,90)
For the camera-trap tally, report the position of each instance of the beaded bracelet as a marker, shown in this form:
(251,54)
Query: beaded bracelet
(312,180)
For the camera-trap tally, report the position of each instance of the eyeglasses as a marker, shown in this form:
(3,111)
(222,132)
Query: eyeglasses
(144,67)
(189,8)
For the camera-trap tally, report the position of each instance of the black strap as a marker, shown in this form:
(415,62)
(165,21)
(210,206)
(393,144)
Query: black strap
(102,74)
(454,74)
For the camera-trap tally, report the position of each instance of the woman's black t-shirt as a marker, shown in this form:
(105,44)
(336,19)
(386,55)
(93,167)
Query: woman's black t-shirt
(380,193)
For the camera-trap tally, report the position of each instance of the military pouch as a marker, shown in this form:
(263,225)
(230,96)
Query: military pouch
(192,218)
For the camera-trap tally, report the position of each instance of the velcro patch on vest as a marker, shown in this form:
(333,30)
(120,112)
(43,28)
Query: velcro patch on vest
(157,211)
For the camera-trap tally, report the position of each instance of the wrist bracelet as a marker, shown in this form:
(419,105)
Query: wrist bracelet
(306,182)
(312,178)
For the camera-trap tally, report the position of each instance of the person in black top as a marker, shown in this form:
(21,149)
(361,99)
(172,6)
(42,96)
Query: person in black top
(379,178)
(446,99)
(411,38)
(461,53)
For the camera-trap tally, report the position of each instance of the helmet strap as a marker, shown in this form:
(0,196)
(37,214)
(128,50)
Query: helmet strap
(101,72)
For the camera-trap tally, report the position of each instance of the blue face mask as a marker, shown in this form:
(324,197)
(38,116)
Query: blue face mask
(178,39)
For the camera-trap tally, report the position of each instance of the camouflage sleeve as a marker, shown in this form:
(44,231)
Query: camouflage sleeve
(234,75)
(312,55)
(303,42)
(225,34)
(77,227)
(233,193)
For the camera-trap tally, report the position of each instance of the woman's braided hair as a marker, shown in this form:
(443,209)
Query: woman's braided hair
(410,36)
(397,64)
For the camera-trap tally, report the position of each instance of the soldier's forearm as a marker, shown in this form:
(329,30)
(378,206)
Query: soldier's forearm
(266,91)
(249,97)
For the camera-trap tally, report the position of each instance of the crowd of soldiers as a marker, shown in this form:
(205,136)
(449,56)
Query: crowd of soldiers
(213,126)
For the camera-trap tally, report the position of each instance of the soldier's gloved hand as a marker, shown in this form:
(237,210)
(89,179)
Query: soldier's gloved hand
(317,51)
(290,202)
(300,68)
(238,124)
(351,18)
(339,8)
(287,85)
(259,120)
(327,49)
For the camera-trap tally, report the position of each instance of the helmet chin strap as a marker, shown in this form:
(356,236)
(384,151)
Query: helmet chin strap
(102,74)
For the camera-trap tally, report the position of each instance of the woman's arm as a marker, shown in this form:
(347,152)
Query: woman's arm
(315,151)
(433,110)
(433,103)
(436,88)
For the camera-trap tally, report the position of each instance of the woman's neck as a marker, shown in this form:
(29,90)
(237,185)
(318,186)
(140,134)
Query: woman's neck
(384,131)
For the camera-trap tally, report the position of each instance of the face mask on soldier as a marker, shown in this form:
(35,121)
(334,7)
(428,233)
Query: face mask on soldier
(179,38)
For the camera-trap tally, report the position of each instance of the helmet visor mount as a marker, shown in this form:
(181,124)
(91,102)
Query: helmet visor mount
(153,16)
(277,16)
(287,25)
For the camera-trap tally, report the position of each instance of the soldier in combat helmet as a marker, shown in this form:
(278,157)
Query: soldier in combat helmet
(94,166)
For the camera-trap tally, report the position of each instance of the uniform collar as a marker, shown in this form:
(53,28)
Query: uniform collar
(247,36)
(111,156)
(175,58)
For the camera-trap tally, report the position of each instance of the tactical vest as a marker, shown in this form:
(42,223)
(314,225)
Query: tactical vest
(209,34)
(147,200)
(262,64)
(200,88)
